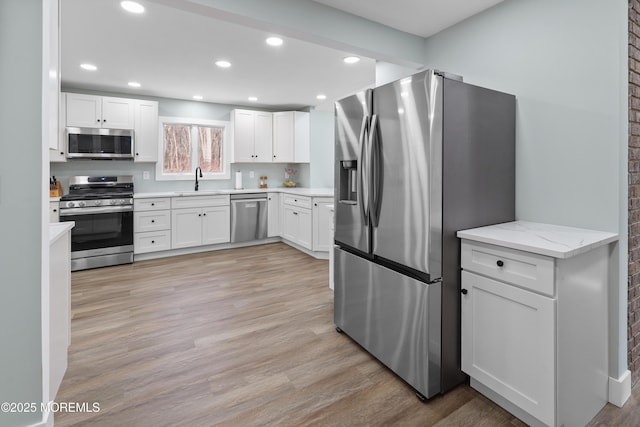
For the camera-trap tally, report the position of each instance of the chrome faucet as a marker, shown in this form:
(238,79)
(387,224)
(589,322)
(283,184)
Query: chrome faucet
(200,170)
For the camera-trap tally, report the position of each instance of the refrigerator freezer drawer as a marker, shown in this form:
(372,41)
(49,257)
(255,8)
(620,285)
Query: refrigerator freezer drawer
(394,317)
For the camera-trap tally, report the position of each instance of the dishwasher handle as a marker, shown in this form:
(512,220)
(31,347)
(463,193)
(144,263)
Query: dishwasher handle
(248,200)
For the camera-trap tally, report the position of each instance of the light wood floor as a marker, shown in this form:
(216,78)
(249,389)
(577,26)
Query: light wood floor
(240,337)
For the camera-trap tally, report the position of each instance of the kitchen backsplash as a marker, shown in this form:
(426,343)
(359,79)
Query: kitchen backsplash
(274,172)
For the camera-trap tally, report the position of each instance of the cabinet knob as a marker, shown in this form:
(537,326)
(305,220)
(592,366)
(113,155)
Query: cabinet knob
(295,213)
(153,204)
(199,214)
(137,154)
(62,153)
(153,220)
(153,241)
(499,263)
(55,210)
(204,214)
(464,291)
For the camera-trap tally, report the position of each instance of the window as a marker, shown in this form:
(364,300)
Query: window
(189,143)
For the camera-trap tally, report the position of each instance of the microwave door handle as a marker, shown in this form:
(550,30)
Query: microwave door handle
(363,183)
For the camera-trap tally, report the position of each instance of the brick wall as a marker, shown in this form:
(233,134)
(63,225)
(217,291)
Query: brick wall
(633,329)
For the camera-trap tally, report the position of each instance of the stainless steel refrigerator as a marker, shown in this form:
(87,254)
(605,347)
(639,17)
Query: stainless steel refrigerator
(416,160)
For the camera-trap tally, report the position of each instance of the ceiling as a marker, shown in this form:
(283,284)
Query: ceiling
(171,52)
(423,18)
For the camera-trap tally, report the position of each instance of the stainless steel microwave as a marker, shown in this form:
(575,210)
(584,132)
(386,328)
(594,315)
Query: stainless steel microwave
(90,143)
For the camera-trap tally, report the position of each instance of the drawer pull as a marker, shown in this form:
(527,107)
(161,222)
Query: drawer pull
(464,291)
(500,263)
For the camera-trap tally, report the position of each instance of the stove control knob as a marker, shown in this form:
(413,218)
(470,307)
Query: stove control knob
(82,204)
(122,202)
(98,202)
(113,202)
(70,204)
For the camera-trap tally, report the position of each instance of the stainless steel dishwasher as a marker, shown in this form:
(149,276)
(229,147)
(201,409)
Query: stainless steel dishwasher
(248,217)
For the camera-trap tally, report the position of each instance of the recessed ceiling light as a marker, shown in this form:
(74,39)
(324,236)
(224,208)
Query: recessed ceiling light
(321,97)
(131,6)
(223,64)
(274,41)
(134,84)
(197,97)
(88,67)
(351,59)
(253,98)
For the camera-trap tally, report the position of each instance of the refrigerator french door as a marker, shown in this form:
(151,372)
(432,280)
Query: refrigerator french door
(416,160)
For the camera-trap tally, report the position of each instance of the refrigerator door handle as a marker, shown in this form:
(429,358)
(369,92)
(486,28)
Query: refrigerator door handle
(375,170)
(363,175)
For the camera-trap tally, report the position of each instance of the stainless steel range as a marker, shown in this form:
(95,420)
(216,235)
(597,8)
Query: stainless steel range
(102,208)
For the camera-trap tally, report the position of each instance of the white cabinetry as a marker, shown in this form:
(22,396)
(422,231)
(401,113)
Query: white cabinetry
(59,304)
(92,111)
(274,219)
(151,225)
(252,136)
(296,221)
(54,212)
(322,216)
(146,131)
(291,137)
(534,325)
(199,220)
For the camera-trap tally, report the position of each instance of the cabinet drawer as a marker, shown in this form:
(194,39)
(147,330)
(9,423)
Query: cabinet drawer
(199,201)
(151,221)
(524,269)
(151,204)
(151,241)
(298,201)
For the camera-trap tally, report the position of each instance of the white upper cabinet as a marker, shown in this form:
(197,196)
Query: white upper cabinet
(252,136)
(291,137)
(146,131)
(92,111)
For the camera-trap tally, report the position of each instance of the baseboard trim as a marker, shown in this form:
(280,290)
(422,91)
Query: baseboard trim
(620,389)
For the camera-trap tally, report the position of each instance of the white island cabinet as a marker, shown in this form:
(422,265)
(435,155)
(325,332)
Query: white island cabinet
(534,319)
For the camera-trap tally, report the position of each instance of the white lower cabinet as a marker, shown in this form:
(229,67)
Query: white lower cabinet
(322,218)
(274,219)
(296,220)
(508,337)
(534,331)
(200,220)
(151,225)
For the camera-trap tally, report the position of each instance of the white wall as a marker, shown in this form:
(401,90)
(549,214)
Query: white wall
(565,60)
(21,187)
(321,150)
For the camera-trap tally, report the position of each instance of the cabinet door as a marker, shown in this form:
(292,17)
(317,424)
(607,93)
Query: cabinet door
(186,228)
(117,113)
(216,225)
(305,228)
(274,222)
(58,155)
(243,136)
(283,136)
(290,223)
(84,111)
(54,212)
(322,235)
(146,131)
(263,136)
(508,343)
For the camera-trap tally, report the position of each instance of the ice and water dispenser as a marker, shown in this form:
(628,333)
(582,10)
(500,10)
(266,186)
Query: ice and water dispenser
(348,182)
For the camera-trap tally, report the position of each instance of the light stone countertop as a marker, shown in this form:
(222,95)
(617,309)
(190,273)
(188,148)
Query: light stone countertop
(311,192)
(544,239)
(57,230)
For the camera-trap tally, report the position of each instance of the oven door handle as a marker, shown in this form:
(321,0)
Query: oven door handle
(95,210)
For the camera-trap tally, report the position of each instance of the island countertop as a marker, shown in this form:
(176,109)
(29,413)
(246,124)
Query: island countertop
(544,239)
(57,230)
